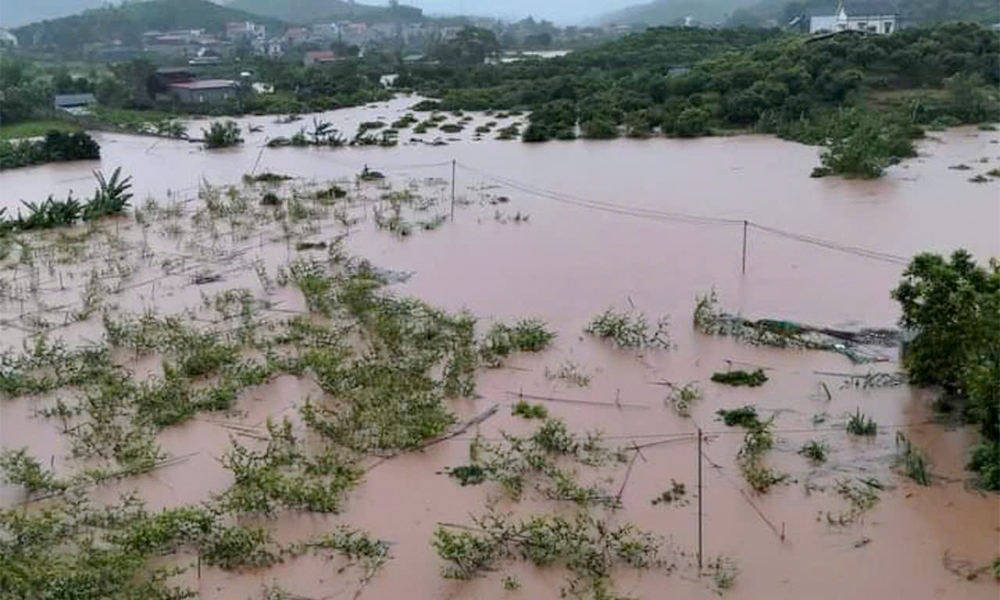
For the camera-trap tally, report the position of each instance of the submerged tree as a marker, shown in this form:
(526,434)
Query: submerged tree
(952,309)
(222,135)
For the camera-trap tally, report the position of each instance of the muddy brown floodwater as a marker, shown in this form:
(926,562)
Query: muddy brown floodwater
(572,259)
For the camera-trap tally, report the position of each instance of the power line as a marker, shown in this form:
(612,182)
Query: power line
(653,214)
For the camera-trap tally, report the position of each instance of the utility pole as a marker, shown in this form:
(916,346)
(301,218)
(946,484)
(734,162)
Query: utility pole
(453,189)
(745,223)
(700,489)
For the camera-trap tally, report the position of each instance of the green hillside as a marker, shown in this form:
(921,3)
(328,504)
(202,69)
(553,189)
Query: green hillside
(912,12)
(128,21)
(315,11)
(673,12)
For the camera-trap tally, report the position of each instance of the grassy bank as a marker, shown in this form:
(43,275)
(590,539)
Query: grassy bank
(39,128)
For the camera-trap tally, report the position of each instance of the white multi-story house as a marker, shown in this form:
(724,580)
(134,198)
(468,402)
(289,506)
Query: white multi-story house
(870,16)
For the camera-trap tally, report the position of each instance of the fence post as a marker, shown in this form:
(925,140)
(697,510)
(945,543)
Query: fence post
(452,189)
(699,505)
(745,224)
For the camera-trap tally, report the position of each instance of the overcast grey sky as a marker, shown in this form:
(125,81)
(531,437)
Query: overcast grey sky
(562,11)
(18,12)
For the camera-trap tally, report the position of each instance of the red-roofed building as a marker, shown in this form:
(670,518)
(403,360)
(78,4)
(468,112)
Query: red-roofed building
(324,57)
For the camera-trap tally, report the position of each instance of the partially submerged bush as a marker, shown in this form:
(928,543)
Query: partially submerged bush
(815,451)
(629,329)
(519,461)
(222,135)
(530,411)
(587,547)
(502,340)
(912,460)
(745,416)
(860,424)
(741,378)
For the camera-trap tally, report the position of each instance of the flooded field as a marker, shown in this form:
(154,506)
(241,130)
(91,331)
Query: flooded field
(559,232)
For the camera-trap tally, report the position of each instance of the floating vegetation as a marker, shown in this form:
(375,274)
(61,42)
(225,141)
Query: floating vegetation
(710,320)
(681,398)
(745,416)
(517,218)
(815,451)
(960,167)
(741,378)
(912,460)
(630,329)
(370,175)
(370,125)
(510,583)
(518,462)
(266,177)
(724,571)
(980,178)
(676,495)
(589,548)
(862,495)
(860,424)
(756,443)
(995,173)
(570,372)
(530,411)
(451,128)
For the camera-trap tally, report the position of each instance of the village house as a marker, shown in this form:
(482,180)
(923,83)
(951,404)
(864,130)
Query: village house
(204,91)
(869,16)
(322,57)
(74,103)
(245,29)
(7,39)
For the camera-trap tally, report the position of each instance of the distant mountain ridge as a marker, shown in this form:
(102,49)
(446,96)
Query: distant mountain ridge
(127,22)
(673,12)
(316,11)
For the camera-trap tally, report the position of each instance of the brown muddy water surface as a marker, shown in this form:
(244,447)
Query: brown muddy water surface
(567,262)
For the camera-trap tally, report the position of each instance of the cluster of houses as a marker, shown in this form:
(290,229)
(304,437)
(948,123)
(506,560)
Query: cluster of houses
(202,48)
(865,16)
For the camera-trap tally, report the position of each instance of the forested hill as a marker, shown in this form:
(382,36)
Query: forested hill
(911,12)
(316,11)
(673,12)
(128,21)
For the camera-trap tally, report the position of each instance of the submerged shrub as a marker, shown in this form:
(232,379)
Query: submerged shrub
(629,329)
(741,378)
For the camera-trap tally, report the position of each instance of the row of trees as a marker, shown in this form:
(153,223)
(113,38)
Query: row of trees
(56,146)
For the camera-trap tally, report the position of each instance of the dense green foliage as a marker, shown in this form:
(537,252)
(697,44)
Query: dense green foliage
(952,308)
(687,82)
(863,144)
(56,146)
(740,378)
(24,93)
(222,134)
(127,22)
